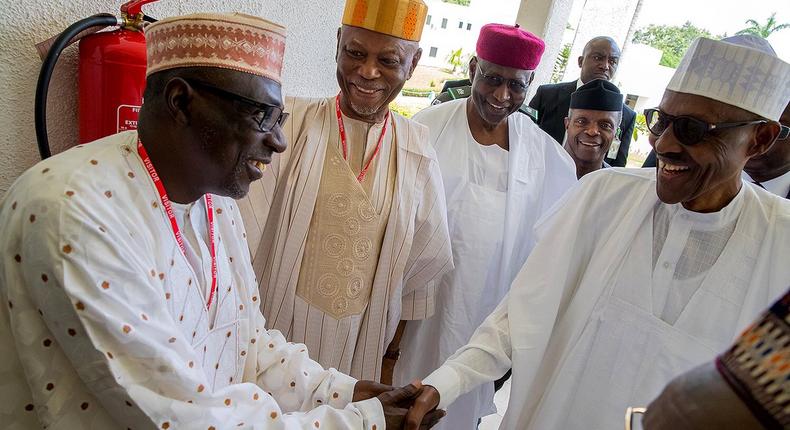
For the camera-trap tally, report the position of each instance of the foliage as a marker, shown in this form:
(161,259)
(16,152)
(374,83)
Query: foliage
(406,111)
(672,40)
(458,2)
(417,92)
(640,126)
(561,63)
(754,27)
(455,59)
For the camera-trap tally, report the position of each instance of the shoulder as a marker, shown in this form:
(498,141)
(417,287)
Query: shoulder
(620,181)
(438,112)
(629,115)
(413,137)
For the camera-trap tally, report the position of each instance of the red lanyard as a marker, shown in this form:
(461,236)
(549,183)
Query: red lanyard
(174,225)
(343,138)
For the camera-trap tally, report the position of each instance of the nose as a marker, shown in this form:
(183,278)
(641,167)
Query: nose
(275,140)
(592,129)
(502,93)
(369,69)
(667,142)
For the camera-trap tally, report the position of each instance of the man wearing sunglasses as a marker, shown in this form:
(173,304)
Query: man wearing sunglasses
(639,274)
(129,299)
(599,60)
(501,173)
(348,229)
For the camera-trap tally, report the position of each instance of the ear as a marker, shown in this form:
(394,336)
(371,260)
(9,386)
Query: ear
(567,122)
(178,99)
(581,58)
(763,137)
(414,60)
(472,68)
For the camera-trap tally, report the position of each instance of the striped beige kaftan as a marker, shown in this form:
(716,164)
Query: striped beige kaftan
(414,250)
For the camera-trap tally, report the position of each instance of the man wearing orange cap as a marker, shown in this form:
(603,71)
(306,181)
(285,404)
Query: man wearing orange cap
(129,300)
(501,173)
(349,228)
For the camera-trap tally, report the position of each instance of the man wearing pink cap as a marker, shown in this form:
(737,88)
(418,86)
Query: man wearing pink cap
(501,173)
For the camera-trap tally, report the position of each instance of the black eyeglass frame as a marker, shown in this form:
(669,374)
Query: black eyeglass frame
(699,133)
(497,81)
(270,111)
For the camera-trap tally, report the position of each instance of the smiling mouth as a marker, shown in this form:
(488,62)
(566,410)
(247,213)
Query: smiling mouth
(589,144)
(671,169)
(366,91)
(497,107)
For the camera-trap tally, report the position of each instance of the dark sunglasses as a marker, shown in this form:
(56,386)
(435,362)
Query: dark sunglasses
(495,81)
(265,115)
(688,130)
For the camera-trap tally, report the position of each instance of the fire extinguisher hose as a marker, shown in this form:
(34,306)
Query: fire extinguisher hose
(42,87)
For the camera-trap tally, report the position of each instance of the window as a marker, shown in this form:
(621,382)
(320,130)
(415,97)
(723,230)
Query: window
(469,27)
(461,25)
(428,20)
(432,52)
(444,22)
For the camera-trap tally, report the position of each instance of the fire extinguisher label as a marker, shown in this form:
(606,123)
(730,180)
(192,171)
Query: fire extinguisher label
(127,117)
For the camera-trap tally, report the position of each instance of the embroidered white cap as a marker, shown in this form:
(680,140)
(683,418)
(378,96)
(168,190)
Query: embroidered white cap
(749,77)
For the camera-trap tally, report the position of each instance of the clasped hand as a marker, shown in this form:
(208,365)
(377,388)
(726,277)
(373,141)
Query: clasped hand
(411,407)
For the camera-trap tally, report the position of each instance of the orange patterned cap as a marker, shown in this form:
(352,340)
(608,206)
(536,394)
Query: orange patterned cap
(400,18)
(230,41)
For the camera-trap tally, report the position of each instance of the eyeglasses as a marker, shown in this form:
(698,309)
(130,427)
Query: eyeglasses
(689,130)
(265,115)
(494,81)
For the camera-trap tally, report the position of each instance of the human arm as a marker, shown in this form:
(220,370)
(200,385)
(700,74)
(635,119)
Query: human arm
(699,399)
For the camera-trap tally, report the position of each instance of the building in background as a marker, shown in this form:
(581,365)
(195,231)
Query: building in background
(451,26)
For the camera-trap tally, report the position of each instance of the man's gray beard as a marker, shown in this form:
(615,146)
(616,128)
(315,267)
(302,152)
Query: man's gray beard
(364,110)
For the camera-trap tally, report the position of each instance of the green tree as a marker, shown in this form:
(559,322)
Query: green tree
(455,59)
(459,2)
(561,63)
(672,40)
(763,31)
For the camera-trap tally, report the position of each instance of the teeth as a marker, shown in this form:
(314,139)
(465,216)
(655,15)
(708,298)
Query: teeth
(260,165)
(671,167)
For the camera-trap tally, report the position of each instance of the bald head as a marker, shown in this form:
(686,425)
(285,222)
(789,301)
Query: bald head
(599,59)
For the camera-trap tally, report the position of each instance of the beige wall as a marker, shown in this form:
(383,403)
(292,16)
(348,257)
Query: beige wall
(309,66)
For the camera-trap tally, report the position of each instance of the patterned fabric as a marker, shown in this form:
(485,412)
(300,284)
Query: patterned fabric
(737,75)
(104,322)
(230,41)
(400,18)
(344,240)
(757,367)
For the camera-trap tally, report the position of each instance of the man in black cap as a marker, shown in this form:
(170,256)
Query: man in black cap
(592,124)
(599,60)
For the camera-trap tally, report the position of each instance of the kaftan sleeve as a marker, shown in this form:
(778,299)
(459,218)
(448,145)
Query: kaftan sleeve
(485,358)
(106,310)
(431,255)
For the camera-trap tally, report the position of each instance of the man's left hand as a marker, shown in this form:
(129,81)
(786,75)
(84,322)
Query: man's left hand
(364,390)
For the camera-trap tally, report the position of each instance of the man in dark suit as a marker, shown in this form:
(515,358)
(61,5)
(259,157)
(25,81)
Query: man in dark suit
(598,61)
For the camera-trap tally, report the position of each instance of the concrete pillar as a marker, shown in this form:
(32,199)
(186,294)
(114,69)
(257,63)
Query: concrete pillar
(547,19)
(600,18)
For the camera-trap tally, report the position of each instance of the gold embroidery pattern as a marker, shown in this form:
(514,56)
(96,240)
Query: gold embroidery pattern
(343,242)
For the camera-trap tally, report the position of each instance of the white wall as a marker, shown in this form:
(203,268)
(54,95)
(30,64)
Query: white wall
(309,65)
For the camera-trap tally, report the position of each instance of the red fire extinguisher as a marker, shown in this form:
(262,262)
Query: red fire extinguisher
(111,74)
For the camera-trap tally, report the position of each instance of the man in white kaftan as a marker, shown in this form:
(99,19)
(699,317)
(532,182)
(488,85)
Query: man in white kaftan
(348,230)
(640,275)
(495,192)
(129,299)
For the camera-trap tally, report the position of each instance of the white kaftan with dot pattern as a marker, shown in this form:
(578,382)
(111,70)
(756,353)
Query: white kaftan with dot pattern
(104,323)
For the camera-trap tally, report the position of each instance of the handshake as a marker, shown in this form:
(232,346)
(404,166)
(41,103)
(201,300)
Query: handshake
(411,407)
